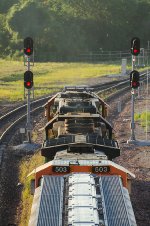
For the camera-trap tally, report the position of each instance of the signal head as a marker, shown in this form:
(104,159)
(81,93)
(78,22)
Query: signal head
(28,79)
(135,46)
(134,79)
(28,46)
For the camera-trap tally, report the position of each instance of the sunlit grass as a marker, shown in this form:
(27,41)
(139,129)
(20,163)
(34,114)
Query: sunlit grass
(143,118)
(48,77)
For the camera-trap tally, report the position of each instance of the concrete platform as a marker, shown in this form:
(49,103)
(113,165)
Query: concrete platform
(26,148)
(139,142)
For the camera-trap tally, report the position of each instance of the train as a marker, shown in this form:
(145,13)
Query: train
(79,184)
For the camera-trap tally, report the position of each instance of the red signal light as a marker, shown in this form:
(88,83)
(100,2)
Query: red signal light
(135,50)
(28,50)
(28,79)
(134,79)
(28,46)
(28,84)
(134,84)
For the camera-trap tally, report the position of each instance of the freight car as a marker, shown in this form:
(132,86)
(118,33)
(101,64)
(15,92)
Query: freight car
(79,184)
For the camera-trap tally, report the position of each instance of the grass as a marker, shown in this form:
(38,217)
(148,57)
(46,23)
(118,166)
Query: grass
(48,77)
(26,166)
(142,118)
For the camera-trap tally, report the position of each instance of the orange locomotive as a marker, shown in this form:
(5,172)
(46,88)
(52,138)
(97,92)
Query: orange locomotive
(77,131)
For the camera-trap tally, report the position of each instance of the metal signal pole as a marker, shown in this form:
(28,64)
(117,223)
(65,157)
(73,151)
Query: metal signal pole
(134,82)
(28,80)
(28,126)
(132,107)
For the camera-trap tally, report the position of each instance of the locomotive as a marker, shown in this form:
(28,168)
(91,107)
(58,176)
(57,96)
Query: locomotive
(79,184)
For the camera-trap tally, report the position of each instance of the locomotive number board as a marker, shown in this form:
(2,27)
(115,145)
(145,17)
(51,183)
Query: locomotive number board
(100,169)
(67,169)
(61,169)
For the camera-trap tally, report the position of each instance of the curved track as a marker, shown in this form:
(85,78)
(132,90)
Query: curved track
(14,117)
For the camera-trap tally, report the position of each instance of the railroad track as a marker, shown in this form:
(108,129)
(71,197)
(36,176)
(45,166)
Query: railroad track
(119,88)
(10,120)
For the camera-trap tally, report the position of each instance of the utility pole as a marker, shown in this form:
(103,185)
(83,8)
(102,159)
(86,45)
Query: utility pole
(28,81)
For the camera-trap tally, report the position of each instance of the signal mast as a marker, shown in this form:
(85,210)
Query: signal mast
(28,79)
(134,82)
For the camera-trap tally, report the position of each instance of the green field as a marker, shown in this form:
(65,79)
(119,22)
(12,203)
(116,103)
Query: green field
(48,77)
